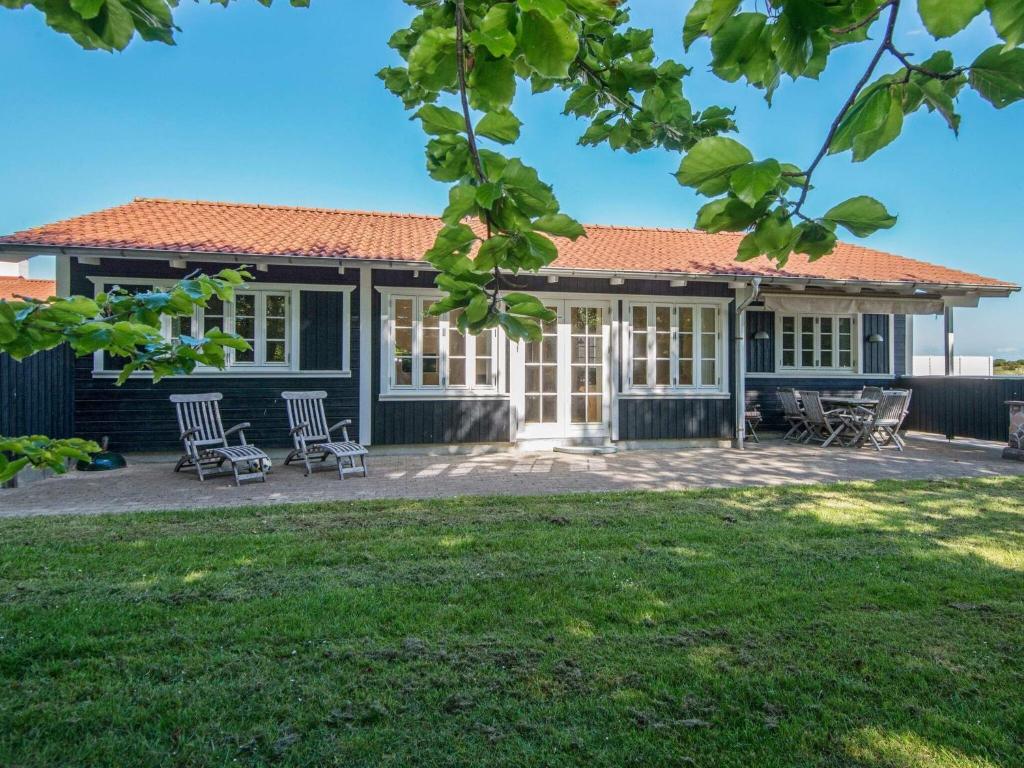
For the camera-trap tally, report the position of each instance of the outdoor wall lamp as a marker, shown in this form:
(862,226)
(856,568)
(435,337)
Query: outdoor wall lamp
(761,336)
(875,338)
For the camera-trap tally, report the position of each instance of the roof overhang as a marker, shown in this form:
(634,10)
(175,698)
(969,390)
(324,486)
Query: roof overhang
(958,294)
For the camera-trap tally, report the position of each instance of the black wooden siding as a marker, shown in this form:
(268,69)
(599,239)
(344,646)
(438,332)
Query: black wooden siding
(321,322)
(962,406)
(760,352)
(876,354)
(675,418)
(138,415)
(37,394)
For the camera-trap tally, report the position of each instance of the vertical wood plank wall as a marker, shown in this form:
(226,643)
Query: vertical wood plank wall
(37,394)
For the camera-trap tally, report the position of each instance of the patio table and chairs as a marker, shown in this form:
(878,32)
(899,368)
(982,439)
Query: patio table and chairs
(873,416)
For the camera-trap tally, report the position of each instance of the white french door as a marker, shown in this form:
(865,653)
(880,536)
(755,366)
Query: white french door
(563,381)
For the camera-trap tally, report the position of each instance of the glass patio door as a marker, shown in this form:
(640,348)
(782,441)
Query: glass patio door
(565,373)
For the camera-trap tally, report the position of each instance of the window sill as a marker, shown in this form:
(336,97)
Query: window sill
(811,373)
(385,397)
(655,394)
(248,373)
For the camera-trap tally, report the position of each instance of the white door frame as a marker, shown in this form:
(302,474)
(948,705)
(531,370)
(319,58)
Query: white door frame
(564,428)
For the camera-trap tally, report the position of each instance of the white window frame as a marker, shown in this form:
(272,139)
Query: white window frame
(423,298)
(699,388)
(293,294)
(798,350)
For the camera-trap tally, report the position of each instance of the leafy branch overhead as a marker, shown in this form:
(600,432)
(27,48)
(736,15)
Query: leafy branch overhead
(476,54)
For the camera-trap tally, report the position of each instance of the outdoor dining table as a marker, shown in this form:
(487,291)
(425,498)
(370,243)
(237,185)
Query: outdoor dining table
(850,404)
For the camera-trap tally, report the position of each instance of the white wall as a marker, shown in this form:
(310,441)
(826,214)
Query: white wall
(14,268)
(963,365)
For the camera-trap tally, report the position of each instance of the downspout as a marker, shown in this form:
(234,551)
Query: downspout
(740,322)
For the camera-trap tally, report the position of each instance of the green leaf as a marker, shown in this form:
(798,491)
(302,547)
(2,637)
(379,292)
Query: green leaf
(861,215)
(492,83)
(552,9)
(1008,20)
(739,48)
(560,225)
(487,194)
(495,30)
(432,59)
(87,9)
(774,233)
(439,120)
(944,18)
(814,239)
(477,308)
(998,75)
(593,9)
(492,253)
(727,214)
(753,181)
(705,17)
(863,128)
(461,203)
(500,125)
(709,162)
(549,45)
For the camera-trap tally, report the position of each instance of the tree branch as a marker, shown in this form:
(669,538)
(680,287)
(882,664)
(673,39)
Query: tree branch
(863,22)
(890,27)
(460,66)
(904,59)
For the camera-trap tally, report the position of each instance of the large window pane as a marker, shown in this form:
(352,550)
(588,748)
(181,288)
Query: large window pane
(709,347)
(662,346)
(586,364)
(245,325)
(457,344)
(276,332)
(403,314)
(639,353)
(686,329)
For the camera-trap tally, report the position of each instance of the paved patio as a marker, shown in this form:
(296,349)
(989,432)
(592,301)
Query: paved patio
(152,485)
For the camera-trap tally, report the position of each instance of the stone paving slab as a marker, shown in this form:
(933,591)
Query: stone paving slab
(153,485)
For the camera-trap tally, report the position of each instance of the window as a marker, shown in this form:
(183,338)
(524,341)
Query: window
(429,354)
(259,317)
(817,341)
(675,347)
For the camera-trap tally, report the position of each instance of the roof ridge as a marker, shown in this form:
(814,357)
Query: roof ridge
(283,207)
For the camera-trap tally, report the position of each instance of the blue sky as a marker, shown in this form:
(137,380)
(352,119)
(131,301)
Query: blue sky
(281,105)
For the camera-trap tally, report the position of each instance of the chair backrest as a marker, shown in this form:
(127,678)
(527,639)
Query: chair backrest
(199,421)
(306,409)
(790,405)
(871,393)
(891,408)
(813,410)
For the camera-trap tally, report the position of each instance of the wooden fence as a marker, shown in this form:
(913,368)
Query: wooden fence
(962,406)
(37,395)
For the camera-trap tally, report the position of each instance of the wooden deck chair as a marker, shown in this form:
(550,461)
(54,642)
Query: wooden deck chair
(871,393)
(206,441)
(753,418)
(794,415)
(824,426)
(313,438)
(881,426)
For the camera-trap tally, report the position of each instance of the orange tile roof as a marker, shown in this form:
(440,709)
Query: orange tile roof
(182,226)
(10,287)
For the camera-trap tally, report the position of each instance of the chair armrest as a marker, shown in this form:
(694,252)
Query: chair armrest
(298,428)
(237,428)
(188,433)
(340,424)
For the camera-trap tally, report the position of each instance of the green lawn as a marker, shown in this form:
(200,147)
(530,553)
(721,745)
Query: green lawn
(862,625)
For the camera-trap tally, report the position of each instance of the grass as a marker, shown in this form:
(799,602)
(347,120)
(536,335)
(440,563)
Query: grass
(860,625)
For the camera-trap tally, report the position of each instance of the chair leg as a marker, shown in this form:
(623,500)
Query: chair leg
(362,461)
(341,468)
(234,468)
(832,437)
(309,468)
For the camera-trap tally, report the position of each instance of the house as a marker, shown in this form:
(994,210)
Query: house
(661,334)
(14,282)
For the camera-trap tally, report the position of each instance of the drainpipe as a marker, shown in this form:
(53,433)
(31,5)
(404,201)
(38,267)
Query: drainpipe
(740,388)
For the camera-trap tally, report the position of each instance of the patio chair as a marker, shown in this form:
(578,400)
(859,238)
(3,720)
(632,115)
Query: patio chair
(313,438)
(824,426)
(206,441)
(793,414)
(871,393)
(881,426)
(753,418)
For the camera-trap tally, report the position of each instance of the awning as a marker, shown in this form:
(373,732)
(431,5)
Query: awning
(851,305)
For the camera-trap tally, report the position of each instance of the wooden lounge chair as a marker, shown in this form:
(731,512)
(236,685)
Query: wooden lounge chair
(824,426)
(794,415)
(206,441)
(313,438)
(881,426)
